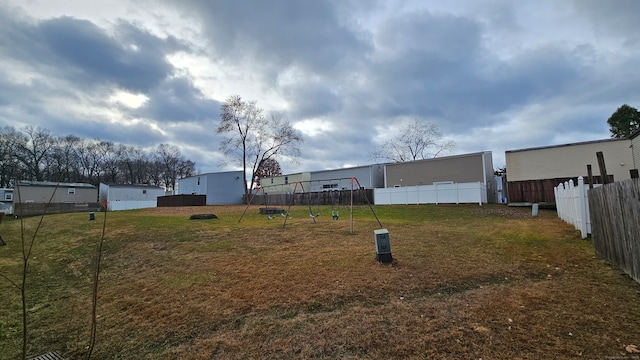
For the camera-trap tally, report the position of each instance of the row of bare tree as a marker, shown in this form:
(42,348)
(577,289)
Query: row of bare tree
(33,153)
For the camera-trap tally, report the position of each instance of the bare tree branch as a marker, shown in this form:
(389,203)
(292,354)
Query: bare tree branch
(416,141)
(252,138)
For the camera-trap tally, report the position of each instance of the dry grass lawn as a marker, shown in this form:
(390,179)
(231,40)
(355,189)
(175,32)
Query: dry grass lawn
(467,282)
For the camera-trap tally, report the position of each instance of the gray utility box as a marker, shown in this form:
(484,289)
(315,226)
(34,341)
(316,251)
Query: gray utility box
(383,246)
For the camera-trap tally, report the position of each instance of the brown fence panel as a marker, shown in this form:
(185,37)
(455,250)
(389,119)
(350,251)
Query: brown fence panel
(539,191)
(615,224)
(30,209)
(182,200)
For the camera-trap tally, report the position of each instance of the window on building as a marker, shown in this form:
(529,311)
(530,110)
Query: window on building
(71,191)
(8,197)
(144,191)
(271,180)
(286,179)
(330,186)
(198,180)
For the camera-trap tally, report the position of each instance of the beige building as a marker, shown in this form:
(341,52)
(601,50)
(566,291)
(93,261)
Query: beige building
(44,192)
(570,160)
(532,173)
(447,169)
(457,169)
(300,182)
(40,197)
(635,146)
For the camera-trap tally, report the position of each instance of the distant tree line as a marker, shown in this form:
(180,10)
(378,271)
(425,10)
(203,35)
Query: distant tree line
(35,154)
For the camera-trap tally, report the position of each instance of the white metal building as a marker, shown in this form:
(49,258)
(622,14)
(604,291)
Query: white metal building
(368,177)
(221,188)
(127,197)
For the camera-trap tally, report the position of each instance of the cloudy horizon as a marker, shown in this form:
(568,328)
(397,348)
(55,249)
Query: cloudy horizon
(494,75)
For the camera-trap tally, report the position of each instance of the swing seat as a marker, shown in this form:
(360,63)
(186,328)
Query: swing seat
(335,217)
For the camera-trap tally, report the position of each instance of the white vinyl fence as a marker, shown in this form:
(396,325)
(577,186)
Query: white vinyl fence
(131,204)
(572,205)
(475,192)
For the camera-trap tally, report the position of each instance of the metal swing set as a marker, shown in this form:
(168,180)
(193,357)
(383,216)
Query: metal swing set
(335,214)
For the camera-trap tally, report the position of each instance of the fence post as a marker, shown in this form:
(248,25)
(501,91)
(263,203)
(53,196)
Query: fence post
(556,194)
(603,168)
(582,200)
(567,215)
(573,205)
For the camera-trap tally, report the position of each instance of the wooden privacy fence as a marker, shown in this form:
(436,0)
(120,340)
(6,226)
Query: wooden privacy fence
(182,200)
(572,205)
(615,220)
(31,209)
(334,197)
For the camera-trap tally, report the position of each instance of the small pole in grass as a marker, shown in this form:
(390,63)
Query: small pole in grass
(2,243)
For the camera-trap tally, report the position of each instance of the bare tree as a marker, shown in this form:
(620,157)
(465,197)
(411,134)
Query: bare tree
(65,160)
(10,167)
(170,160)
(252,138)
(415,141)
(33,154)
(186,168)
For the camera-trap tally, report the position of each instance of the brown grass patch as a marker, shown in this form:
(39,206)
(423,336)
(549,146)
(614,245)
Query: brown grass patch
(467,282)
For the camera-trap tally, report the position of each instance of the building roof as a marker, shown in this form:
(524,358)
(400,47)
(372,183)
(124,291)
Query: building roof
(634,134)
(133,186)
(440,158)
(345,168)
(214,173)
(566,145)
(56,184)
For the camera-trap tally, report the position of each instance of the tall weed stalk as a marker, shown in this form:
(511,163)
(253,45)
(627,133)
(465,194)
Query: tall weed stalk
(96,277)
(27,249)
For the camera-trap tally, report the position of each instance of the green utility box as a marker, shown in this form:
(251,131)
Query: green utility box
(383,246)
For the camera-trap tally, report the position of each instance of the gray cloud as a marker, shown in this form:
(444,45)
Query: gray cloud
(312,99)
(278,34)
(134,62)
(493,75)
(617,19)
(177,99)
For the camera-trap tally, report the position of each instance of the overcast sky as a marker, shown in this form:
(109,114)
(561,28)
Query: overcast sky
(494,75)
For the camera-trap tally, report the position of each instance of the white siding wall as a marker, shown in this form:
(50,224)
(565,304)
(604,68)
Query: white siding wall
(220,188)
(195,185)
(368,177)
(225,188)
(127,198)
(134,194)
